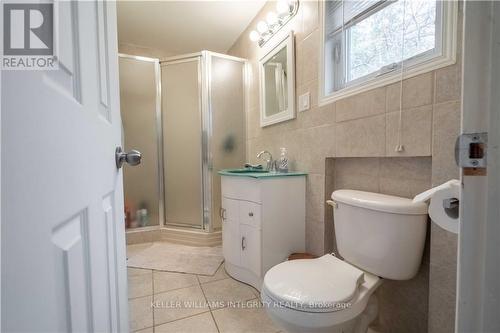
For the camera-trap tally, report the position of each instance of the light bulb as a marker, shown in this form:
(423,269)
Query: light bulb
(254,36)
(271,18)
(262,27)
(282,7)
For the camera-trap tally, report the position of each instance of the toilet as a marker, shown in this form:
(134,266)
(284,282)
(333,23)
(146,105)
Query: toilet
(378,237)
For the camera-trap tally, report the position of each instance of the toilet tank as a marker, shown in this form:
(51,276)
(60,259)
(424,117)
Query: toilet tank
(381,234)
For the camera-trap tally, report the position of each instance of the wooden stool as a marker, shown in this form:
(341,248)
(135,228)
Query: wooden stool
(294,256)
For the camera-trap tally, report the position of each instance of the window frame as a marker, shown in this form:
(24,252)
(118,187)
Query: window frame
(443,55)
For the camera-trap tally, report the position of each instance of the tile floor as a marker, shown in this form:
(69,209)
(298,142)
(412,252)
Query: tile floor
(187,303)
(166,256)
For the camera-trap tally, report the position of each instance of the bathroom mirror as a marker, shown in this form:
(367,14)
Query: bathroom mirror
(277,83)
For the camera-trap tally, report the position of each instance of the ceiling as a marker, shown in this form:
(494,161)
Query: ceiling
(178,27)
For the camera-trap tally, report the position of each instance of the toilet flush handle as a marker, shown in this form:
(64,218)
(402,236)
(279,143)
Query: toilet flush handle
(332,203)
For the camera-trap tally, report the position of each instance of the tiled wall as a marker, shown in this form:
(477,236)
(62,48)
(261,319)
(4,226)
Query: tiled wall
(364,126)
(443,256)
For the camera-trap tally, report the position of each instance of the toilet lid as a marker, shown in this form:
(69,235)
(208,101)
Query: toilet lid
(325,284)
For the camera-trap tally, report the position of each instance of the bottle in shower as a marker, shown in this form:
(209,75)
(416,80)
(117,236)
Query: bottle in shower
(283,161)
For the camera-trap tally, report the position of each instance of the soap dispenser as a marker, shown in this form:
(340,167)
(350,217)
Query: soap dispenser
(283,161)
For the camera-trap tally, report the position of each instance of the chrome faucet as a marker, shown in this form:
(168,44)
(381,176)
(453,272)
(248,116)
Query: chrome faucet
(270,165)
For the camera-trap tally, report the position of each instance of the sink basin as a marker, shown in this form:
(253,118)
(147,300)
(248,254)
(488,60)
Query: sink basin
(246,170)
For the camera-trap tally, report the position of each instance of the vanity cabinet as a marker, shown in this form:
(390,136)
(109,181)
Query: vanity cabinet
(263,222)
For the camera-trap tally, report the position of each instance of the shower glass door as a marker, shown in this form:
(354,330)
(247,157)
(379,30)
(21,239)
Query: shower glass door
(227,109)
(140,110)
(182,142)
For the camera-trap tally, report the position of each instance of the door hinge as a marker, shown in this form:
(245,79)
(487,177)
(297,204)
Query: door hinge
(471,153)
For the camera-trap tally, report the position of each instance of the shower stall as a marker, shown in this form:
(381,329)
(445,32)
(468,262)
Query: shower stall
(187,116)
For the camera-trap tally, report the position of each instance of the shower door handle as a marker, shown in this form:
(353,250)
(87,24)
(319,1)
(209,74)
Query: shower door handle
(132,158)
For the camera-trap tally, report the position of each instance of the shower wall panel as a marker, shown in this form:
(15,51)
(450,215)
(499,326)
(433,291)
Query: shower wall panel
(182,142)
(204,123)
(227,106)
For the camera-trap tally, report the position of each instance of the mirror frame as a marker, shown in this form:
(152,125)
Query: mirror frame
(289,113)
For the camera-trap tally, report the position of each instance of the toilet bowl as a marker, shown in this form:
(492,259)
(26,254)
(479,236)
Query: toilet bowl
(299,299)
(377,236)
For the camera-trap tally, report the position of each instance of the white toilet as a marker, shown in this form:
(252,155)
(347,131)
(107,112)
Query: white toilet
(379,236)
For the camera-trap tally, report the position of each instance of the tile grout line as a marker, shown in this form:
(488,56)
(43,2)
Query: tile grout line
(203,292)
(209,307)
(215,322)
(176,289)
(171,321)
(182,318)
(167,291)
(153,296)
(134,298)
(209,282)
(155,293)
(172,290)
(254,292)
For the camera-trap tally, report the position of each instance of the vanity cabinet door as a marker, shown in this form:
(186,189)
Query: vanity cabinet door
(231,241)
(250,248)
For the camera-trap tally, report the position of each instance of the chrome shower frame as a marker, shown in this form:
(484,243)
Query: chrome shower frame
(205,79)
(204,59)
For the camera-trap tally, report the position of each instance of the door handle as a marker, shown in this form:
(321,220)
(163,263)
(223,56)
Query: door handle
(132,158)
(243,246)
(222,213)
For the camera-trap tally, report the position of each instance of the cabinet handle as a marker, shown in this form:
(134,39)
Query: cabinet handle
(222,213)
(243,246)
(250,214)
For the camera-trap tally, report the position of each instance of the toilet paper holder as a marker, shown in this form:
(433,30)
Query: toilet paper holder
(451,203)
(444,204)
(451,206)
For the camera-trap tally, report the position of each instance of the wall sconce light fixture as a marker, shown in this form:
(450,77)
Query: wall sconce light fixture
(285,10)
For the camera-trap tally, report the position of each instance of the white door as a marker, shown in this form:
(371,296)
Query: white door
(478,287)
(63,239)
(231,241)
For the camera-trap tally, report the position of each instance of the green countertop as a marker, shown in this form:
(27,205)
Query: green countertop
(258,173)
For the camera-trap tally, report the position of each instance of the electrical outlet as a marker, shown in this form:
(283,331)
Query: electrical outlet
(304,102)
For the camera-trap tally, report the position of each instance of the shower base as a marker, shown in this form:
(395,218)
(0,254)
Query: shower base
(174,235)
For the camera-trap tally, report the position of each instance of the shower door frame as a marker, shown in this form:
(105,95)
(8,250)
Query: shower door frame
(208,156)
(159,138)
(177,60)
(204,83)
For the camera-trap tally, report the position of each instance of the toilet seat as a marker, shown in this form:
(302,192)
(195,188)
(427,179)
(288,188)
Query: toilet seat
(314,319)
(325,284)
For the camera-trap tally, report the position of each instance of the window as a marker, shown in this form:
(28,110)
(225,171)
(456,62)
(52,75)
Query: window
(366,43)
